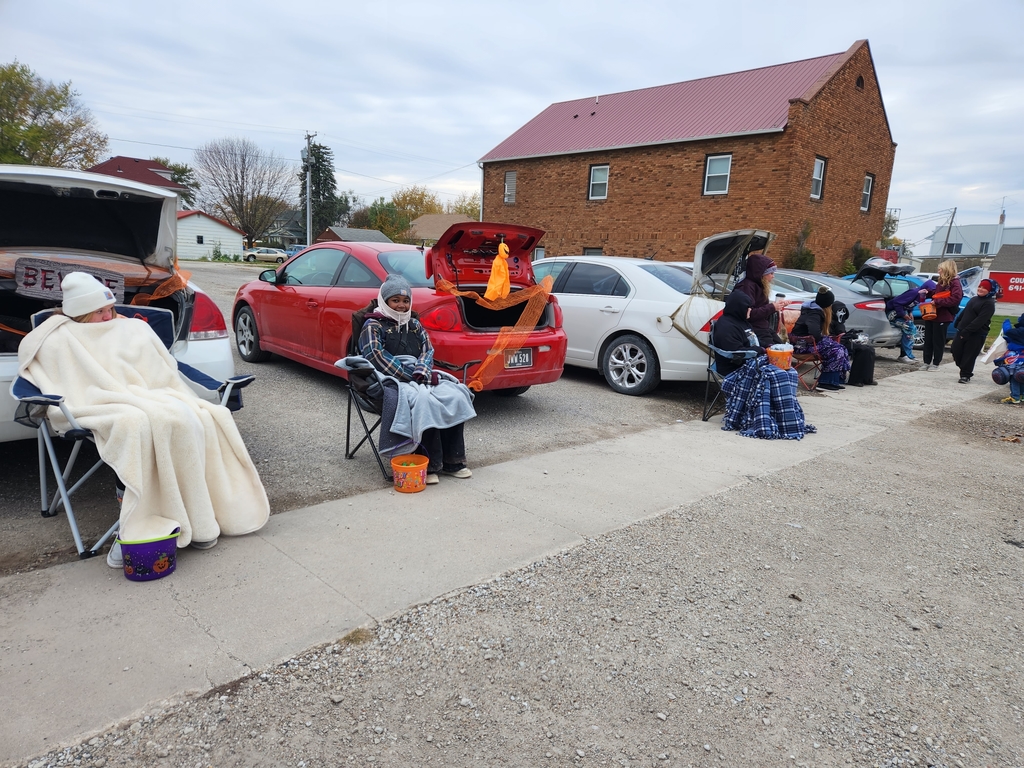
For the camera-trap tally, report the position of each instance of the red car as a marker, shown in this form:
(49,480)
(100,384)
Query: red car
(303,309)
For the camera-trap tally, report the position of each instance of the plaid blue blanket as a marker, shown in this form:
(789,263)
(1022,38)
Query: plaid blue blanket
(760,401)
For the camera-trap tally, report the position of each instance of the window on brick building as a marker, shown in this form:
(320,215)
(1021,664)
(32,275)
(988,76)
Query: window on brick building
(199,239)
(598,182)
(860,81)
(510,187)
(954,248)
(818,178)
(865,194)
(983,247)
(716,174)
(593,251)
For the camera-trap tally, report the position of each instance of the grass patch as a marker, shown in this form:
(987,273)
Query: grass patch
(357,637)
(997,327)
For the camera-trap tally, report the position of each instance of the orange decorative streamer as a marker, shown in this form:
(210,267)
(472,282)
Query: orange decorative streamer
(176,282)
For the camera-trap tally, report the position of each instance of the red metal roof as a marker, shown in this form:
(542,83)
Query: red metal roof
(137,169)
(183,214)
(754,101)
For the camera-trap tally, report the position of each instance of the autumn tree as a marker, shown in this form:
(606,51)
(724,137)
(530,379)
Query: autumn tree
(388,218)
(184,175)
(44,123)
(466,204)
(243,184)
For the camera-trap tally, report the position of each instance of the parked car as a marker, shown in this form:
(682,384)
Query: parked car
(291,250)
(303,309)
(122,232)
(867,307)
(265,254)
(638,321)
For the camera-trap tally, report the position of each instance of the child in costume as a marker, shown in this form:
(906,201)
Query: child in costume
(1010,367)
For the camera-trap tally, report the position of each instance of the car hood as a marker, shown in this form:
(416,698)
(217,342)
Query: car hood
(465,252)
(876,269)
(60,209)
(723,256)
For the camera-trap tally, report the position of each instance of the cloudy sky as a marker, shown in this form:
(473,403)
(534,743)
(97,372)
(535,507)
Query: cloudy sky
(410,92)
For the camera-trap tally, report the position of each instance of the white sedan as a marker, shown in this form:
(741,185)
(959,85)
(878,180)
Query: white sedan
(640,322)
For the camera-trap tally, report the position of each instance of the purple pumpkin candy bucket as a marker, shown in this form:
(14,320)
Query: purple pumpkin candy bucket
(151,559)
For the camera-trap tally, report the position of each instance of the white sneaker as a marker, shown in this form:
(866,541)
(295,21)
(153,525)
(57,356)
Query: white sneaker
(460,473)
(432,478)
(114,557)
(204,544)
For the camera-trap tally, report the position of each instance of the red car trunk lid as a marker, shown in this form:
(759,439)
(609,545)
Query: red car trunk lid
(465,252)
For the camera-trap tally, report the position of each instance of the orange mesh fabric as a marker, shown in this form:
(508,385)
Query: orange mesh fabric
(176,282)
(512,337)
(498,286)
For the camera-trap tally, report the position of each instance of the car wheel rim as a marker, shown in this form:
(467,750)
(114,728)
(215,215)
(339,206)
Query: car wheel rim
(244,335)
(627,366)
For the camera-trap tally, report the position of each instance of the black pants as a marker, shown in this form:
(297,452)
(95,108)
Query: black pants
(862,364)
(934,341)
(966,350)
(446,448)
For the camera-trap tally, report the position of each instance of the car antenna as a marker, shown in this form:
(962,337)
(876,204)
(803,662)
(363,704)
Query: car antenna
(651,257)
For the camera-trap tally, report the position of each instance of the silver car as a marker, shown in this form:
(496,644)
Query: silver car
(867,309)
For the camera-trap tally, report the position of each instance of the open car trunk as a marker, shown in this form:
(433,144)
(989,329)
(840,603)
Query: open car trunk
(719,260)
(464,256)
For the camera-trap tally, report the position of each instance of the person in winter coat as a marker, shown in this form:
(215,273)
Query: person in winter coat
(733,333)
(972,329)
(757,284)
(1010,366)
(862,356)
(900,309)
(946,296)
(396,344)
(816,321)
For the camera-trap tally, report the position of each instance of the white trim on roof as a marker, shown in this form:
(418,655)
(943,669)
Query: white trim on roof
(632,146)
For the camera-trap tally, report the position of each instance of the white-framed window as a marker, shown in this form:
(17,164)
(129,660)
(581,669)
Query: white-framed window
(593,251)
(818,178)
(510,187)
(716,174)
(865,194)
(598,183)
(983,247)
(538,253)
(954,248)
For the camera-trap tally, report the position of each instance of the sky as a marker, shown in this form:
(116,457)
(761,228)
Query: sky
(408,92)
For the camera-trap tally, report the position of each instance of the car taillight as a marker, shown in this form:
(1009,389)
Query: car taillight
(706,328)
(879,305)
(443,318)
(558,312)
(207,320)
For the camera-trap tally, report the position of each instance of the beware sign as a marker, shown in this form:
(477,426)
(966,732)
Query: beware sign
(40,279)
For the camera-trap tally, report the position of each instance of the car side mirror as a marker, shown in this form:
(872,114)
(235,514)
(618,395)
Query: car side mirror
(269,276)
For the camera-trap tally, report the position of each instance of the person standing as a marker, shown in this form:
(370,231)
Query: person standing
(899,310)
(946,297)
(973,328)
(757,284)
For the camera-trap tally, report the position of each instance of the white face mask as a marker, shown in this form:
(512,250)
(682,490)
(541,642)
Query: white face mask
(402,318)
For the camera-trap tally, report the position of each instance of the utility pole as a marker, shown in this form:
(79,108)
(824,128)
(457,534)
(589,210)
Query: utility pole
(307,158)
(948,230)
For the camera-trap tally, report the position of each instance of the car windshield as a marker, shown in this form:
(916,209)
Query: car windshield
(408,264)
(674,277)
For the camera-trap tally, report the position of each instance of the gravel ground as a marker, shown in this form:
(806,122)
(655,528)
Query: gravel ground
(862,608)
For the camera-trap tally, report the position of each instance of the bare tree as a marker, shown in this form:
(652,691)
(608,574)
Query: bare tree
(244,184)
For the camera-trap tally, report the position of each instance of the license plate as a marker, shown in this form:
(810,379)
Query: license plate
(40,279)
(521,358)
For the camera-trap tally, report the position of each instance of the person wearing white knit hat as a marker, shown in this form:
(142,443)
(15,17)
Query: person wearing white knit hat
(86,299)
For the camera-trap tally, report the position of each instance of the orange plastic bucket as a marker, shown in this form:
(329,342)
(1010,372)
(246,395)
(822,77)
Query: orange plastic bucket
(779,358)
(410,472)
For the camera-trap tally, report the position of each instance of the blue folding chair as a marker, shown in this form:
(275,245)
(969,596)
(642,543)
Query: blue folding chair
(34,406)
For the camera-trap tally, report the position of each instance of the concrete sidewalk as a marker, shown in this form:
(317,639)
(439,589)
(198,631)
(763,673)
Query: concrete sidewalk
(84,648)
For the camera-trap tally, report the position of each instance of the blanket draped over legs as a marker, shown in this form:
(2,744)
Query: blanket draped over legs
(181,459)
(760,401)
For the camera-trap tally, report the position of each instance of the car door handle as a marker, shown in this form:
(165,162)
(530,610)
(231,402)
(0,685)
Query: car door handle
(611,310)
(311,304)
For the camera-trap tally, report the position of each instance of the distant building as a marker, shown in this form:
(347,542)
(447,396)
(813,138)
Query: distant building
(136,169)
(974,239)
(352,235)
(653,171)
(1008,268)
(200,235)
(430,226)
(288,229)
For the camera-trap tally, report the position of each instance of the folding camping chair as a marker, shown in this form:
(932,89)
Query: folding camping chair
(713,405)
(806,361)
(34,408)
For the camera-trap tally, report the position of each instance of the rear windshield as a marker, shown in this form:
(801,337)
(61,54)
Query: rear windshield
(674,277)
(409,264)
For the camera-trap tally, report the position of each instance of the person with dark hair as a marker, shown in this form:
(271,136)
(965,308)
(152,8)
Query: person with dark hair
(815,321)
(733,333)
(757,284)
(972,329)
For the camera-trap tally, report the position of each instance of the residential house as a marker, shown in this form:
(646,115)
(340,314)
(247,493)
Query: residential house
(202,236)
(430,226)
(352,235)
(974,239)
(649,173)
(289,228)
(136,169)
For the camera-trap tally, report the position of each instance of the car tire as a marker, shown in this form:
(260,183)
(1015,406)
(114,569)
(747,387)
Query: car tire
(250,258)
(511,391)
(247,337)
(280,259)
(919,336)
(630,366)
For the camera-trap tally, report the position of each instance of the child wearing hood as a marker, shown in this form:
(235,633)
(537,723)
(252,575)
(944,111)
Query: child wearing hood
(972,329)
(816,321)
(733,333)
(1010,367)
(756,284)
(899,310)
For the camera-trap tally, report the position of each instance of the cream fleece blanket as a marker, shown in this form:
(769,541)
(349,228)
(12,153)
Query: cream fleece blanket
(181,459)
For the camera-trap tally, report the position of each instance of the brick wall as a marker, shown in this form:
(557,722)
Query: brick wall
(655,203)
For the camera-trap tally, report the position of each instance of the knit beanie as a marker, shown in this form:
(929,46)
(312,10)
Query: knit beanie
(825,298)
(395,285)
(83,294)
(987,284)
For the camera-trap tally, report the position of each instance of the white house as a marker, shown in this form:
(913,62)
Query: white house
(199,234)
(974,239)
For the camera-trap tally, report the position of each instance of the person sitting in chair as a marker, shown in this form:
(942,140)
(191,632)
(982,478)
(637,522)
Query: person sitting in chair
(733,333)
(816,321)
(396,344)
(180,459)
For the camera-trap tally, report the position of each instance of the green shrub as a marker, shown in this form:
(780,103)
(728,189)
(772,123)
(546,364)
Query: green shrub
(859,255)
(846,268)
(802,258)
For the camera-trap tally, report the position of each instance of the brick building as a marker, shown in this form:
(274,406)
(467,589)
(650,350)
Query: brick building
(653,171)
